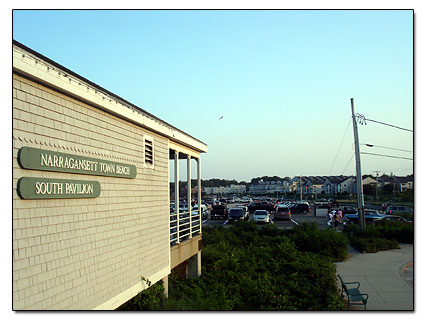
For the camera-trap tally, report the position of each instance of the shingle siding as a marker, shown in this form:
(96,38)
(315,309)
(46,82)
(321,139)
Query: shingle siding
(78,253)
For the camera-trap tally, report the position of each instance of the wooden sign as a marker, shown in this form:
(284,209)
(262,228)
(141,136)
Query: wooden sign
(47,160)
(45,188)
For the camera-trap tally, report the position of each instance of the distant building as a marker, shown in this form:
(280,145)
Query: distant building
(232,189)
(401,183)
(331,183)
(270,187)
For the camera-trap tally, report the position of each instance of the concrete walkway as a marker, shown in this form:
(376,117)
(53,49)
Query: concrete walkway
(386,276)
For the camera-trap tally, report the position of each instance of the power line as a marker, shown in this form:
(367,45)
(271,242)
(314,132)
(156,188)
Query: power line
(386,155)
(375,121)
(344,135)
(362,120)
(348,163)
(402,150)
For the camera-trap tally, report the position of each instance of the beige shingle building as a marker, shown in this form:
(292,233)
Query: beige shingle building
(91,205)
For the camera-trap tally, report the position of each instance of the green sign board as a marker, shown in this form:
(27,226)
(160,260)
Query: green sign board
(47,160)
(46,188)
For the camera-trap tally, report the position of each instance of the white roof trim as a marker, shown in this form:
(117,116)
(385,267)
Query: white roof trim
(35,67)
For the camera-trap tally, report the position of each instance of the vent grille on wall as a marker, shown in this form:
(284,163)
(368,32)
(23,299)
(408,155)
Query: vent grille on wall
(149,156)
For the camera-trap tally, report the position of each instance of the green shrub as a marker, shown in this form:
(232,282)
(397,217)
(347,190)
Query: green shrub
(399,231)
(408,216)
(247,268)
(308,238)
(381,236)
(373,244)
(151,299)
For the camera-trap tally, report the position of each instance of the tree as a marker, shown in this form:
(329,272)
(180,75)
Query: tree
(408,195)
(388,189)
(369,189)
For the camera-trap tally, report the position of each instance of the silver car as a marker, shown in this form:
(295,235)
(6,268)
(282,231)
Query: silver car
(261,216)
(246,211)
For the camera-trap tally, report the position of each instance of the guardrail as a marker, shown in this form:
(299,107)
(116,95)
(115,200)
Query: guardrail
(188,225)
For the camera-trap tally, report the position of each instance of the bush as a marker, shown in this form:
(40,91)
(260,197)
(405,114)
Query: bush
(308,238)
(381,236)
(373,244)
(408,195)
(408,216)
(150,299)
(399,231)
(247,268)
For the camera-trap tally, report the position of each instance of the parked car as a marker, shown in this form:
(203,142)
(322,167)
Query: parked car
(219,211)
(297,208)
(223,200)
(349,210)
(385,206)
(246,211)
(254,206)
(204,210)
(282,213)
(236,214)
(393,218)
(398,209)
(353,218)
(333,203)
(246,199)
(208,205)
(183,208)
(322,204)
(203,207)
(261,216)
(371,212)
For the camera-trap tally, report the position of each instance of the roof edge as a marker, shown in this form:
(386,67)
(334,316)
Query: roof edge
(112,95)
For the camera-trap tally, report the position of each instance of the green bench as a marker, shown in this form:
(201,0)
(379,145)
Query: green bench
(355,297)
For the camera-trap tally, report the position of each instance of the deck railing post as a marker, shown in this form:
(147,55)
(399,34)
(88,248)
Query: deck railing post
(188,175)
(199,189)
(177,193)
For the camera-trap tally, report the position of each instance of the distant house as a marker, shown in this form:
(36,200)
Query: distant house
(308,184)
(368,180)
(346,186)
(402,183)
(232,189)
(270,187)
(331,183)
(349,185)
(317,184)
(297,183)
(341,184)
(407,182)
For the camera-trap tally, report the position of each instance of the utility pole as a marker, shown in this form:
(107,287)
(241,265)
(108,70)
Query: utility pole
(394,187)
(360,195)
(377,185)
(301,189)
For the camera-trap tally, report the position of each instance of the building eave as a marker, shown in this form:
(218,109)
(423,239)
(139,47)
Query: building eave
(33,65)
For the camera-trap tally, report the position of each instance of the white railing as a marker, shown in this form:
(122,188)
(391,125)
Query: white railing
(186,227)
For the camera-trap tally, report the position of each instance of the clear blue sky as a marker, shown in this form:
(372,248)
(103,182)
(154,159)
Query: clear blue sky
(282,80)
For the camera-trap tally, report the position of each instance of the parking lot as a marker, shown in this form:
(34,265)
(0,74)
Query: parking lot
(295,220)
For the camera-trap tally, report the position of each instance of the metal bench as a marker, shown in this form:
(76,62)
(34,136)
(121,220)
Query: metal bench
(355,297)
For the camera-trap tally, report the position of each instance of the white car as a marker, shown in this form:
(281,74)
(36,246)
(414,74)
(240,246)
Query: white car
(246,199)
(261,216)
(246,211)
(204,210)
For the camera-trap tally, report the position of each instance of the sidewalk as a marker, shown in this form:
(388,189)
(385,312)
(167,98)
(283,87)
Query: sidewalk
(386,276)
